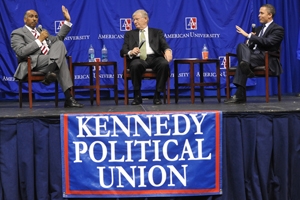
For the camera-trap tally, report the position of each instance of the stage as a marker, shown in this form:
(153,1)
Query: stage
(254,105)
(260,146)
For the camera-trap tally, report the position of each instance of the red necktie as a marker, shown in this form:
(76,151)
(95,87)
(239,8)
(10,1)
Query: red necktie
(44,48)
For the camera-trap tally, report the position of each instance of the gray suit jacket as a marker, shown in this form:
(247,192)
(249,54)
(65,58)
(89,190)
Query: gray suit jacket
(24,45)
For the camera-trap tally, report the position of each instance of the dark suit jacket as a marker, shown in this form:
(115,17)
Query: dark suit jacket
(157,41)
(269,41)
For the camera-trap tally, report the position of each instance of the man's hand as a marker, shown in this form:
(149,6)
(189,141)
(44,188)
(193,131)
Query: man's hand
(135,51)
(66,13)
(241,31)
(168,55)
(43,35)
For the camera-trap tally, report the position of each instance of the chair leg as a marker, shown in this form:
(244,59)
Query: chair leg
(126,91)
(267,89)
(30,93)
(168,91)
(227,86)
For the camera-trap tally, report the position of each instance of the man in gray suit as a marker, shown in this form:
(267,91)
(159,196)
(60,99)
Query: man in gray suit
(251,55)
(47,52)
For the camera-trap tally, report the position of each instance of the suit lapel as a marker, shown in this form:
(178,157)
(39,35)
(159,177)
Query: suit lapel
(136,36)
(268,29)
(28,33)
(150,35)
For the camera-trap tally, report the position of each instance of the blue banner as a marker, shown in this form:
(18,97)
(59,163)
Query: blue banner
(187,27)
(141,155)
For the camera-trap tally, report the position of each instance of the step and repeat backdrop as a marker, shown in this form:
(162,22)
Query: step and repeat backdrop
(187,26)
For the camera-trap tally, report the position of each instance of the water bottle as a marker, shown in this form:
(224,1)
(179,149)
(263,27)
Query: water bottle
(104,54)
(204,52)
(91,54)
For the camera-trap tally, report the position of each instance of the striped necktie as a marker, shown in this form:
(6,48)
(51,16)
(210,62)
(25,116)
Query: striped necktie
(261,33)
(143,52)
(44,48)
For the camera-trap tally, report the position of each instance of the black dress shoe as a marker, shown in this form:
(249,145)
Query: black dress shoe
(157,101)
(137,100)
(72,103)
(245,67)
(50,77)
(156,98)
(235,99)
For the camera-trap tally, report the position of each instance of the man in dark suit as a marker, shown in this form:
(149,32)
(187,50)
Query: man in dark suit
(47,52)
(154,53)
(251,54)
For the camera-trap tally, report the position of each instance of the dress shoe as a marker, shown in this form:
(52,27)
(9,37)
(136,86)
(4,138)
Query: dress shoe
(72,103)
(50,77)
(156,98)
(235,99)
(137,100)
(245,67)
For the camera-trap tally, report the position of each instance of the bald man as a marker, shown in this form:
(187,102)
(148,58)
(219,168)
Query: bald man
(47,53)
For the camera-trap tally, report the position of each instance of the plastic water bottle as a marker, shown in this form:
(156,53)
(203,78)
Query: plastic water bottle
(104,54)
(204,52)
(91,54)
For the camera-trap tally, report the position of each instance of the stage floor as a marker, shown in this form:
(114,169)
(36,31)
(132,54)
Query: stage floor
(254,105)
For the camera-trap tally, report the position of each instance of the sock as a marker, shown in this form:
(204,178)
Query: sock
(240,92)
(156,94)
(137,93)
(68,94)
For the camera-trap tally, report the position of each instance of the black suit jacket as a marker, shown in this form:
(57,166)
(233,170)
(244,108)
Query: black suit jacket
(269,41)
(157,41)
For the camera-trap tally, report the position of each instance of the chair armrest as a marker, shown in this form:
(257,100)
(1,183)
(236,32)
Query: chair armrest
(231,54)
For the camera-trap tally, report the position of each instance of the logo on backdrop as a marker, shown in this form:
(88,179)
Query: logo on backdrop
(223,62)
(125,24)
(191,23)
(58,25)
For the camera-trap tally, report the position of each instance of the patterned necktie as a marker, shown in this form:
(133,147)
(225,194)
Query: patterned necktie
(262,31)
(44,48)
(143,53)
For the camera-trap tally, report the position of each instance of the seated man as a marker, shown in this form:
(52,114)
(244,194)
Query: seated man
(251,55)
(47,52)
(154,52)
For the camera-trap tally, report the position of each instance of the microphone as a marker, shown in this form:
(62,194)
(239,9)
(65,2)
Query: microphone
(253,28)
(141,44)
(40,29)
